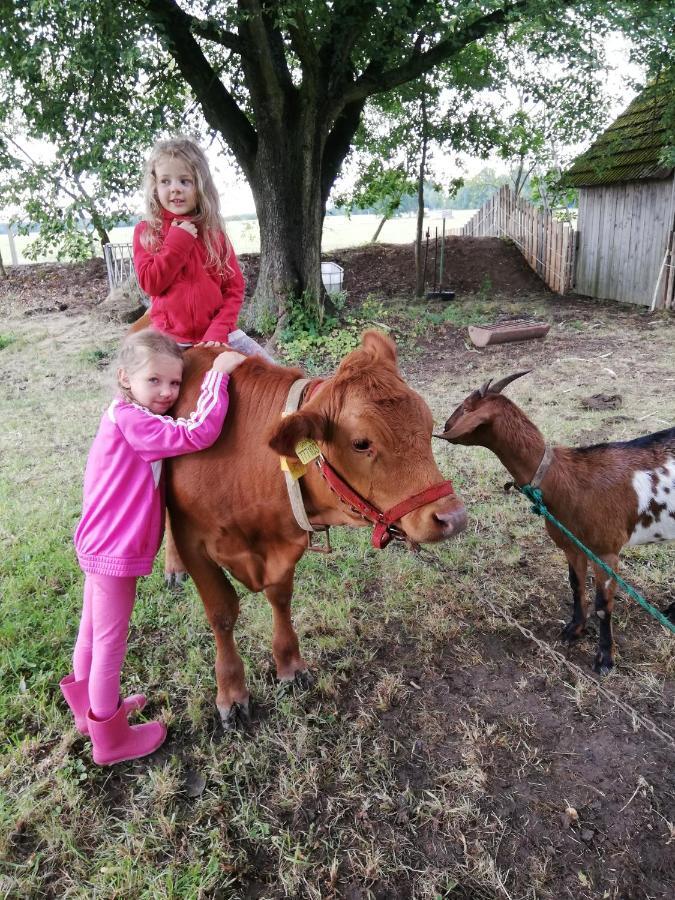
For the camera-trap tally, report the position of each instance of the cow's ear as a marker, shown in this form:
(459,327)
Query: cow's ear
(287,432)
(377,343)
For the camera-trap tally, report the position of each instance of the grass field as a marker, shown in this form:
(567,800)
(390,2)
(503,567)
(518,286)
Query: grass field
(338,232)
(438,754)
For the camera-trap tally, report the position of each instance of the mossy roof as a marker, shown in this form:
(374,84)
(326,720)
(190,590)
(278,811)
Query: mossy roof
(630,149)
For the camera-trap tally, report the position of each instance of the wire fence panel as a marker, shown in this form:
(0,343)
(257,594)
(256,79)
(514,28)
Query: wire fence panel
(119,262)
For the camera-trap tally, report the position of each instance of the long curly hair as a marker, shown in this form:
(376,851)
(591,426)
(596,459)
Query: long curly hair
(207,216)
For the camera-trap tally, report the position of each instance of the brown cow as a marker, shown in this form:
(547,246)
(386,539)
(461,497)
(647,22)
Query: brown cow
(230,509)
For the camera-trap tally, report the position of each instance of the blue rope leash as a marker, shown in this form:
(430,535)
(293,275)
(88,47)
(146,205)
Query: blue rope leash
(539,507)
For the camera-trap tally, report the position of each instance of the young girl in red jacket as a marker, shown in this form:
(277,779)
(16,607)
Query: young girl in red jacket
(182,256)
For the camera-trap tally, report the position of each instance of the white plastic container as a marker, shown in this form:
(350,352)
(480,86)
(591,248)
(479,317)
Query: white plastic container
(331,275)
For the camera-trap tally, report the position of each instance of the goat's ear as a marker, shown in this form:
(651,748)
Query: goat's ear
(286,433)
(463,422)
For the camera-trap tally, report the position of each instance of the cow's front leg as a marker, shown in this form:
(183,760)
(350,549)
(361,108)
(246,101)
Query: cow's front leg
(174,567)
(605,588)
(221,605)
(285,647)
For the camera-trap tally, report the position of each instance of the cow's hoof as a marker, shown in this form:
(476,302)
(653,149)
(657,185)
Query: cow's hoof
(572,632)
(302,679)
(237,716)
(175,580)
(603,664)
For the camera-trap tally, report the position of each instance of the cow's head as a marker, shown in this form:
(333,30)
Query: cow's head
(376,432)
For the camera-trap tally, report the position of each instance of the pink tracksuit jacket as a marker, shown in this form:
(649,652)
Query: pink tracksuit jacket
(123,508)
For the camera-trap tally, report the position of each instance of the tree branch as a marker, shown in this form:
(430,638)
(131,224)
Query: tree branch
(345,30)
(374,82)
(210,30)
(56,182)
(173,26)
(303,44)
(264,61)
(338,143)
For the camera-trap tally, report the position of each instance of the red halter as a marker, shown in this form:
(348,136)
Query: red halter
(384,530)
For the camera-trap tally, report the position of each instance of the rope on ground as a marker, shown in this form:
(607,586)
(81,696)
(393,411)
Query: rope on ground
(546,648)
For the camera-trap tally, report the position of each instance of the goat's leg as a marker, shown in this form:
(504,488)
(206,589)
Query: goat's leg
(578,565)
(174,567)
(605,589)
(285,646)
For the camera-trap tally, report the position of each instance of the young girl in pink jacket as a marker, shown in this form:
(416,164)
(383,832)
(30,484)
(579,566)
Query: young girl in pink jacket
(122,524)
(182,256)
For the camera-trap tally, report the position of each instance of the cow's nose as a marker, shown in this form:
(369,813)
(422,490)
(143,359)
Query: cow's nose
(454,520)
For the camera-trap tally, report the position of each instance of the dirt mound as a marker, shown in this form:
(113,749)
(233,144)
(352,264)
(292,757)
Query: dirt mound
(389,269)
(54,287)
(386,270)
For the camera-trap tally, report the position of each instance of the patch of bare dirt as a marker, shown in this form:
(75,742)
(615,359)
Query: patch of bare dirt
(602,401)
(43,288)
(570,798)
(388,270)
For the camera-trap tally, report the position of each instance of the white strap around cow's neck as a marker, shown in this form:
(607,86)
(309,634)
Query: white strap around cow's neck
(293,485)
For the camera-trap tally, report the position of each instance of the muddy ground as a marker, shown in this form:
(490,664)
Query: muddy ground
(582,799)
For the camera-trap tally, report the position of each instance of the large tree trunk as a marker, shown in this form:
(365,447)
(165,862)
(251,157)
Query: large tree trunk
(286,188)
(294,169)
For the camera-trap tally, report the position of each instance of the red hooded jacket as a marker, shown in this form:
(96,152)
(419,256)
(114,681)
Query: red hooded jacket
(191,301)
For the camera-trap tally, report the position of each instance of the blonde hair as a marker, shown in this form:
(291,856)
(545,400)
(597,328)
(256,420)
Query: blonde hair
(138,348)
(207,215)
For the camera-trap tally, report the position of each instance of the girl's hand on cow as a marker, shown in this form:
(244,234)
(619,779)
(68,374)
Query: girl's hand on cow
(227,361)
(186,225)
(211,344)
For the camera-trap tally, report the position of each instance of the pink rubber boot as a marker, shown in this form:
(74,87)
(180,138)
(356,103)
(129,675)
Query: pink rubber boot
(115,740)
(77,697)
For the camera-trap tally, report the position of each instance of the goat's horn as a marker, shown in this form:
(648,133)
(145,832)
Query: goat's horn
(499,386)
(484,389)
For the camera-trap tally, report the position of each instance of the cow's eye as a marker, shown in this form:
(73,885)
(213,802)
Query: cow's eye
(361,444)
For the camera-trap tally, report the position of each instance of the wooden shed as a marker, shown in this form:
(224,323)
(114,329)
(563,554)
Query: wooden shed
(626,248)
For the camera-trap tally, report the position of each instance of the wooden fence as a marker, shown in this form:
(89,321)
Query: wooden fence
(547,245)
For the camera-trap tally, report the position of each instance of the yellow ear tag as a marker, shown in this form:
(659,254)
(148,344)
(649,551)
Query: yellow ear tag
(306,450)
(295,469)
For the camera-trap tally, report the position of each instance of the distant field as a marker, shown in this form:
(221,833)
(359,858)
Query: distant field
(339,232)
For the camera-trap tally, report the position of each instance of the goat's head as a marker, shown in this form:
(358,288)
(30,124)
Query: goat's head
(470,421)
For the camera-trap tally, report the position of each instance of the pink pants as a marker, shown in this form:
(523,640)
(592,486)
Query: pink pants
(102,639)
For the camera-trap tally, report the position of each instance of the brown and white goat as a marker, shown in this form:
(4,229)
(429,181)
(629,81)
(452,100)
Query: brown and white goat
(607,495)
